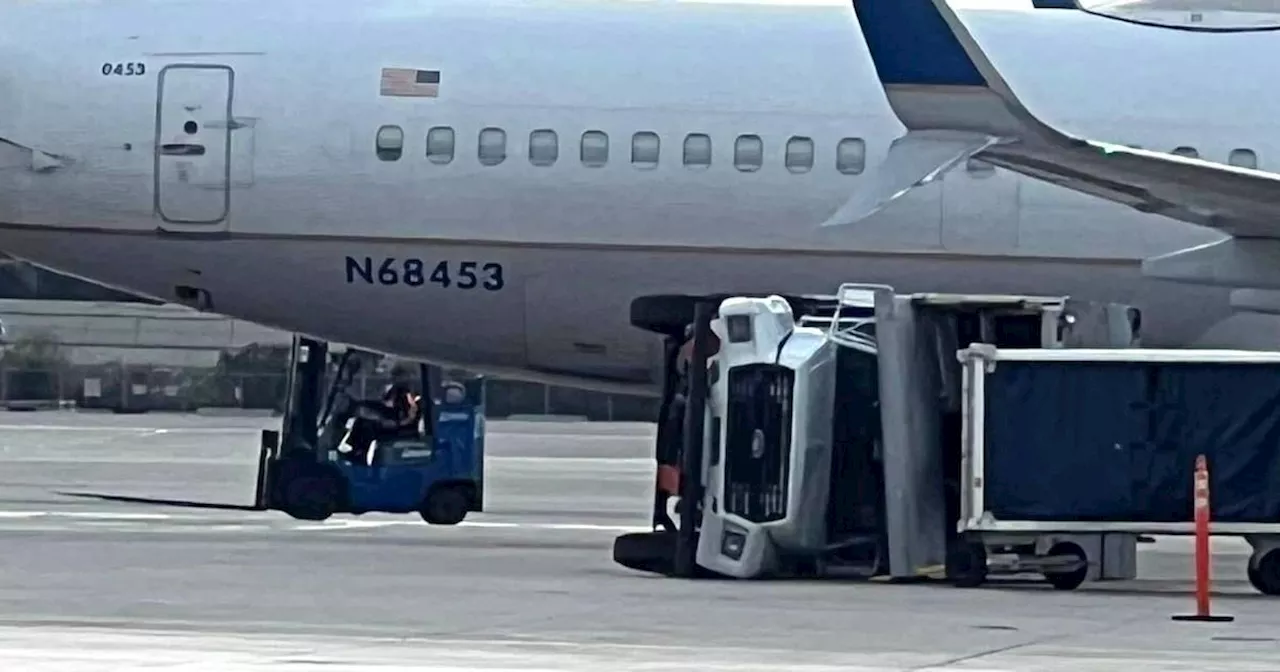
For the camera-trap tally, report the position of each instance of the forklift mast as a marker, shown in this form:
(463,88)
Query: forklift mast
(305,390)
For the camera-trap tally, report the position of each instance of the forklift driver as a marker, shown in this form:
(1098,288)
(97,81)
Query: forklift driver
(399,414)
(403,403)
(400,406)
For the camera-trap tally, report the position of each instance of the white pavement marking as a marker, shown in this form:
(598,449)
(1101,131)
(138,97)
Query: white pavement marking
(554,465)
(225,522)
(1220,546)
(91,649)
(1167,544)
(249,429)
(131,430)
(171,459)
(559,462)
(102,515)
(334,525)
(113,515)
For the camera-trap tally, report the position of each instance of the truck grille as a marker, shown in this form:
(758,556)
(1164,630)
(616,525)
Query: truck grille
(758,441)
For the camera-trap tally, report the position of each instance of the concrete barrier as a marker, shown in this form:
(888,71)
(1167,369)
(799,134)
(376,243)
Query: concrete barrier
(40,404)
(520,417)
(217,412)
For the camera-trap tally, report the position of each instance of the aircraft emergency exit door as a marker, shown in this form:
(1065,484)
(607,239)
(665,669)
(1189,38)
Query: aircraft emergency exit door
(193,146)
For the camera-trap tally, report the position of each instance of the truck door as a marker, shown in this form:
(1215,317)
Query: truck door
(193,146)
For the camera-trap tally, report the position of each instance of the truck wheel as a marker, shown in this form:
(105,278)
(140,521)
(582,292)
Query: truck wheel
(1265,576)
(1068,580)
(807,568)
(967,564)
(652,552)
(446,505)
(312,497)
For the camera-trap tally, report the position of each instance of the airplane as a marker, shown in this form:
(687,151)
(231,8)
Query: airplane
(488,184)
(956,104)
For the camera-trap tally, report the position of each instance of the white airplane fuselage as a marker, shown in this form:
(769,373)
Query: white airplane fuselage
(291,214)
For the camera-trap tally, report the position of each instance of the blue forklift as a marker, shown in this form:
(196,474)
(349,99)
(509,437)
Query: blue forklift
(308,471)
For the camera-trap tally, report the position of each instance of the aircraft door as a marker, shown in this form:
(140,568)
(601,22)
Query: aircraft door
(193,147)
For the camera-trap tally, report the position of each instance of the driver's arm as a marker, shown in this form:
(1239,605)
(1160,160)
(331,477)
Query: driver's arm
(410,417)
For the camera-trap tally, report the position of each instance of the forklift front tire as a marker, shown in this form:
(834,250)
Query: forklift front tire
(446,505)
(311,497)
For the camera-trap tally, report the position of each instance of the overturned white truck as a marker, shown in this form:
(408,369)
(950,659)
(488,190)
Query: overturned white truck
(833,443)
(768,457)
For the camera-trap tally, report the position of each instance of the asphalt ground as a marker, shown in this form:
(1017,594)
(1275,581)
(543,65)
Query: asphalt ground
(527,585)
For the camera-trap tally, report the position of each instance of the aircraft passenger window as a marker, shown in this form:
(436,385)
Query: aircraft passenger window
(748,153)
(799,154)
(979,167)
(1189,152)
(440,145)
(544,147)
(493,146)
(851,156)
(595,149)
(645,147)
(697,150)
(1245,158)
(389,143)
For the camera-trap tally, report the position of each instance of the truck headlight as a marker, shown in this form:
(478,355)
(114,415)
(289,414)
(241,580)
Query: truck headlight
(732,541)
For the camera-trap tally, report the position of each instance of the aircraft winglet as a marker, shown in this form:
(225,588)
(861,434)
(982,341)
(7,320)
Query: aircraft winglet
(935,74)
(944,89)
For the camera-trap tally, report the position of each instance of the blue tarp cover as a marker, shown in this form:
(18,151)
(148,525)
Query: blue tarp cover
(1117,441)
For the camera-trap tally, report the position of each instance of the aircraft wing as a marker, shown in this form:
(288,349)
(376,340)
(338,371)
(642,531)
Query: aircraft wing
(944,83)
(1236,201)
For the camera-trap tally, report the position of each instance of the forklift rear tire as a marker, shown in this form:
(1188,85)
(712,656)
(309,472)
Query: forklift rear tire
(311,497)
(446,505)
(652,552)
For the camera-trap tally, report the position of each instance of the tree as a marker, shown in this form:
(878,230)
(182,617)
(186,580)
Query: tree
(259,371)
(34,364)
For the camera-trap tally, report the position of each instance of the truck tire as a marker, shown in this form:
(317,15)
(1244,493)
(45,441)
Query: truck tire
(1068,580)
(967,564)
(311,496)
(652,552)
(666,314)
(446,505)
(1264,574)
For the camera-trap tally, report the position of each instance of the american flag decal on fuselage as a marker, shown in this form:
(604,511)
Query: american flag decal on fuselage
(410,82)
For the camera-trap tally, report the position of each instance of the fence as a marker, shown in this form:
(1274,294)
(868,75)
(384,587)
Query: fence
(137,357)
(138,387)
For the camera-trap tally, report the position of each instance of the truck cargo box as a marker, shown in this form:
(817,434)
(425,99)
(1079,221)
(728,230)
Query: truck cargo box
(1062,440)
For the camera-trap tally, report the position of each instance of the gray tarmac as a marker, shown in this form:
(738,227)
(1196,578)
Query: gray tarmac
(528,585)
